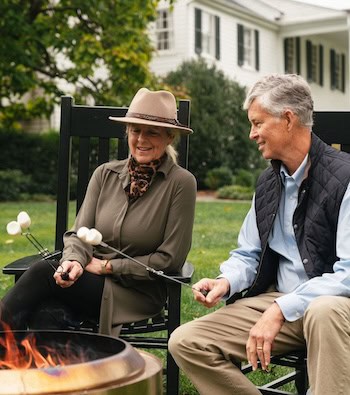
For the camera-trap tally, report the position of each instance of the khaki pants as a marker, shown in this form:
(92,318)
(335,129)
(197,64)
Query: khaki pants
(207,348)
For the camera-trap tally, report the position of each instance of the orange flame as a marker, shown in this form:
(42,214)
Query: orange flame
(27,355)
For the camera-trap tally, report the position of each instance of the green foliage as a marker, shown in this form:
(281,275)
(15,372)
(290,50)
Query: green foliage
(218,177)
(245,178)
(12,184)
(44,43)
(34,156)
(221,128)
(235,192)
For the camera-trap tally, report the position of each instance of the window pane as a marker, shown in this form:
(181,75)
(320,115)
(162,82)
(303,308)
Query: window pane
(290,56)
(164,29)
(248,57)
(208,33)
(314,63)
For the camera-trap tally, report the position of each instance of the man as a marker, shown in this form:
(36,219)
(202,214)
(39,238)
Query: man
(292,262)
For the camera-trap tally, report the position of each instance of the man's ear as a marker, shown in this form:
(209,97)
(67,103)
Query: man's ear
(291,118)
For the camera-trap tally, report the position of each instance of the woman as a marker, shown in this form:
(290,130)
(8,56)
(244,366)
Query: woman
(143,206)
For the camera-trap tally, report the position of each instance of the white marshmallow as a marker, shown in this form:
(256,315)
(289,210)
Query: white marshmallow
(82,233)
(24,220)
(13,228)
(94,237)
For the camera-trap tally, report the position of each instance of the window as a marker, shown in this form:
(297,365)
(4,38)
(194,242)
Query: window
(314,62)
(248,47)
(337,70)
(207,34)
(164,30)
(292,55)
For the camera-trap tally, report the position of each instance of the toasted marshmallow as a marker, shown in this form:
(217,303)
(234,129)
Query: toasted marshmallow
(14,228)
(24,220)
(94,237)
(82,233)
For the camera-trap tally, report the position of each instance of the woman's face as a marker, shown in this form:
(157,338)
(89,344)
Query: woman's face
(147,143)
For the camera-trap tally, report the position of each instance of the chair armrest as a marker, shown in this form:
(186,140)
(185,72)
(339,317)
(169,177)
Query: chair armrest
(18,267)
(186,273)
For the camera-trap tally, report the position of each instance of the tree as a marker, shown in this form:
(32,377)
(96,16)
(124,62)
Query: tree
(221,128)
(47,42)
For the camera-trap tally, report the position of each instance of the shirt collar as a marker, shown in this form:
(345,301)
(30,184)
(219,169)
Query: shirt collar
(121,167)
(300,173)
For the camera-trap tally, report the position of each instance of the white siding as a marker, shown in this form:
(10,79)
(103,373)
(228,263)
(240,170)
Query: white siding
(183,22)
(323,26)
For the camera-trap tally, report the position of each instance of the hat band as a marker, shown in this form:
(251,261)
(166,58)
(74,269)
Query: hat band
(147,117)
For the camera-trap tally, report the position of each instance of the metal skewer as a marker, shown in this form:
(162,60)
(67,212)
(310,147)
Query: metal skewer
(42,251)
(159,273)
(45,254)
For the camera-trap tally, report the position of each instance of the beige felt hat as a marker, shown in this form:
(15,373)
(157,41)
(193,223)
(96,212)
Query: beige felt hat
(156,108)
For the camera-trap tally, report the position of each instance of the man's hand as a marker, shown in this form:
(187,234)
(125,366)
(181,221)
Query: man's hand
(262,335)
(215,289)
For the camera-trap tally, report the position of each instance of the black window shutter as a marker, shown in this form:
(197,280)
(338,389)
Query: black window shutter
(297,53)
(320,64)
(343,73)
(198,31)
(308,60)
(257,59)
(217,37)
(240,44)
(332,56)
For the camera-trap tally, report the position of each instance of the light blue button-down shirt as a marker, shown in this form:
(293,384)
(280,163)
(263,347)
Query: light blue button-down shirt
(292,280)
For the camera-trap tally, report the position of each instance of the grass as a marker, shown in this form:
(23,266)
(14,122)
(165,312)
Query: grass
(215,233)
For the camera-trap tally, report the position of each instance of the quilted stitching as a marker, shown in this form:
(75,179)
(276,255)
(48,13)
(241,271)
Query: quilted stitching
(329,176)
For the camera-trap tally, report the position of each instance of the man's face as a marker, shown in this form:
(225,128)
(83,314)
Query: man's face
(269,132)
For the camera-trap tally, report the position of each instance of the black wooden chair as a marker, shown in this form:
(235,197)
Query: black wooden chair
(89,129)
(333,127)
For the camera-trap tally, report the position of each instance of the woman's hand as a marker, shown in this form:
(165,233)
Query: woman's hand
(99,266)
(73,269)
(215,288)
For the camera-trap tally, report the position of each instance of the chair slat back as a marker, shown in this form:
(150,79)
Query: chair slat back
(333,127)
(93,129)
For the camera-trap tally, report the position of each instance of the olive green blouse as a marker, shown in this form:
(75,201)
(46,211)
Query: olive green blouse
(156,229)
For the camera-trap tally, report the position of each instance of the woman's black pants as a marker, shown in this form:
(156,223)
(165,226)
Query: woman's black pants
(36,290)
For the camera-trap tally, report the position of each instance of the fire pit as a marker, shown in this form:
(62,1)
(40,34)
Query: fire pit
(88,363)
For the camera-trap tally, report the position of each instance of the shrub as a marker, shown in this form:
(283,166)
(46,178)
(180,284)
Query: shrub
(218,177)
(12,184)
(220,124)
(35,156)
(245,178)
(235,192)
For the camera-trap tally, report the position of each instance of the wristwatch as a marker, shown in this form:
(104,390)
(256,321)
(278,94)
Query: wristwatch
(104,269)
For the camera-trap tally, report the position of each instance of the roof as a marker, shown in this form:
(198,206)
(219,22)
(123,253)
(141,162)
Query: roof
(288,11)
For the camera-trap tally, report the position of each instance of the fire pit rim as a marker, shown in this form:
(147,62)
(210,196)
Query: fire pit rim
(110,370)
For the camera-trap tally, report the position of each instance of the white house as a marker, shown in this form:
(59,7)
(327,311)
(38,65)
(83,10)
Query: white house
(249,38)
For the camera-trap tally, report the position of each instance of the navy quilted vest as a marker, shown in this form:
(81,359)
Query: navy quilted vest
(315,218)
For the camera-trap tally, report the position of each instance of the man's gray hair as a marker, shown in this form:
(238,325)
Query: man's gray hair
(279,92)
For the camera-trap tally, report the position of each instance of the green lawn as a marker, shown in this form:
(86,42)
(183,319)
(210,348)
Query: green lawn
(215,233)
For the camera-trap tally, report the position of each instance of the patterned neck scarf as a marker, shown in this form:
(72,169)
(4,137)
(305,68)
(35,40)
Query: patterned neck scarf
(141,175)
